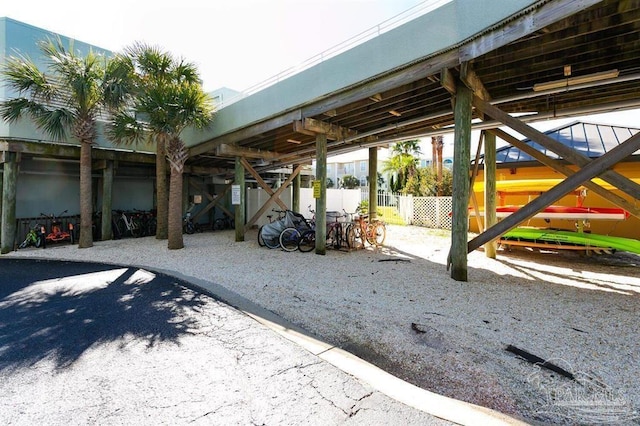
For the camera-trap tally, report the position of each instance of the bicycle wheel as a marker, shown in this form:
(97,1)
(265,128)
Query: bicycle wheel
(289,239)
(219,224)
(376,233)
(260,240)
(152,225)
(354,237)
(307,241)
(272,242)
(122,228)
(339,237)
(136,228)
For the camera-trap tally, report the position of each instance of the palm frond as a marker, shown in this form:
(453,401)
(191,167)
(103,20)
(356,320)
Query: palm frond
(55,122)
(125,129)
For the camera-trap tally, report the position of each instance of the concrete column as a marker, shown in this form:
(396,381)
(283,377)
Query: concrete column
(9,184)
(373,182)
(490,203)
(240,209)
(295,198)
(321,202)
(107,201)
(461,164)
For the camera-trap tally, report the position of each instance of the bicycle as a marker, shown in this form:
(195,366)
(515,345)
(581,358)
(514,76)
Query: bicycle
(126,223)
(270,217)
(57,234)
(270,233)
(224,222)
(189,226)
(334,235)
(359,230)
(33,237)
(290,237)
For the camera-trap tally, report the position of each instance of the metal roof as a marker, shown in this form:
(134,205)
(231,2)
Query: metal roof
(589,139)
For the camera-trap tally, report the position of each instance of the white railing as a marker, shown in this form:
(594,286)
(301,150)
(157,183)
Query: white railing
(391,23)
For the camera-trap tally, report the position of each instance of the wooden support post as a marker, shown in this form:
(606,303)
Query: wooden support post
(461,164)
(239,208)
(107,199)
(321,202)
(588,172)
(490,205)
(295,197)
(472,180)
(373,182)
(9,185)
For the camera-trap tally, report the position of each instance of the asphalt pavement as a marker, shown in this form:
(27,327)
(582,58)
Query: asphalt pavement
(89,343)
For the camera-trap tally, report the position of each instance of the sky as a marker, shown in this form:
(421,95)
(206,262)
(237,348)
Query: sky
(235,44)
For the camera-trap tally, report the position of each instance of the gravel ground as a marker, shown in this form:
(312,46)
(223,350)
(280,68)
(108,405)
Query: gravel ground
(397,307)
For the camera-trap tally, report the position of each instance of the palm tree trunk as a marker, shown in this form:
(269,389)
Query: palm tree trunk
(175,240)
(86,199)
(162,204)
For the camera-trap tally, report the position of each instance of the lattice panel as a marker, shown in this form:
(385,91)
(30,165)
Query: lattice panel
(432,212)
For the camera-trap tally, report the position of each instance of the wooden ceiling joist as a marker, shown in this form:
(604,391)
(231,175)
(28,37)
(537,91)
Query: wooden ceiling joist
(311,126)
(226,150)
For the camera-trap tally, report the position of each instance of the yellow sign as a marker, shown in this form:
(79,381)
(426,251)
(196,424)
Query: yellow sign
(316,189)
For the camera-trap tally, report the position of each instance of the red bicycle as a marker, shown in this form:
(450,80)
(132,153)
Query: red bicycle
(57,233)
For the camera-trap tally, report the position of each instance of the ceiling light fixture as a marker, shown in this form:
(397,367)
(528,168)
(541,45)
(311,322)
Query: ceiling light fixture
(394,112)
(297,142)
(573,81)
(376,98)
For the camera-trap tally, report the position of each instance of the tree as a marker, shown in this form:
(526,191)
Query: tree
(403,163)
(168,97)
(67,98)
(424,183)
(350,182)
(329,182)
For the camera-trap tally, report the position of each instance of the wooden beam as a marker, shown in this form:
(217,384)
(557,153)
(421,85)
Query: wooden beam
(525,24)
(73,151)
(588,172)
(226,150)
(245,133)
(199,170)
(473,82)
(572,156)
(274,197)
(448,81)
(213,201)
(557,166)
(333,131)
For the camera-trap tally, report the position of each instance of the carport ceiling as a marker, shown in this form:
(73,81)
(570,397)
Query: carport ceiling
(599,39)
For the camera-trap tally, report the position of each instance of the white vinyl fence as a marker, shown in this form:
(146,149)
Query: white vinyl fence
(430,212)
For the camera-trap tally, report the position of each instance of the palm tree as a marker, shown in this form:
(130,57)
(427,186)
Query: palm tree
(69,98)
(404,162)
(168,97)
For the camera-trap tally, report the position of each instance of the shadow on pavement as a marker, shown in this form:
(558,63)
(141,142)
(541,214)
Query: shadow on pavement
(57,310)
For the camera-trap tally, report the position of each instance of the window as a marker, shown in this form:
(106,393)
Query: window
(363,166)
